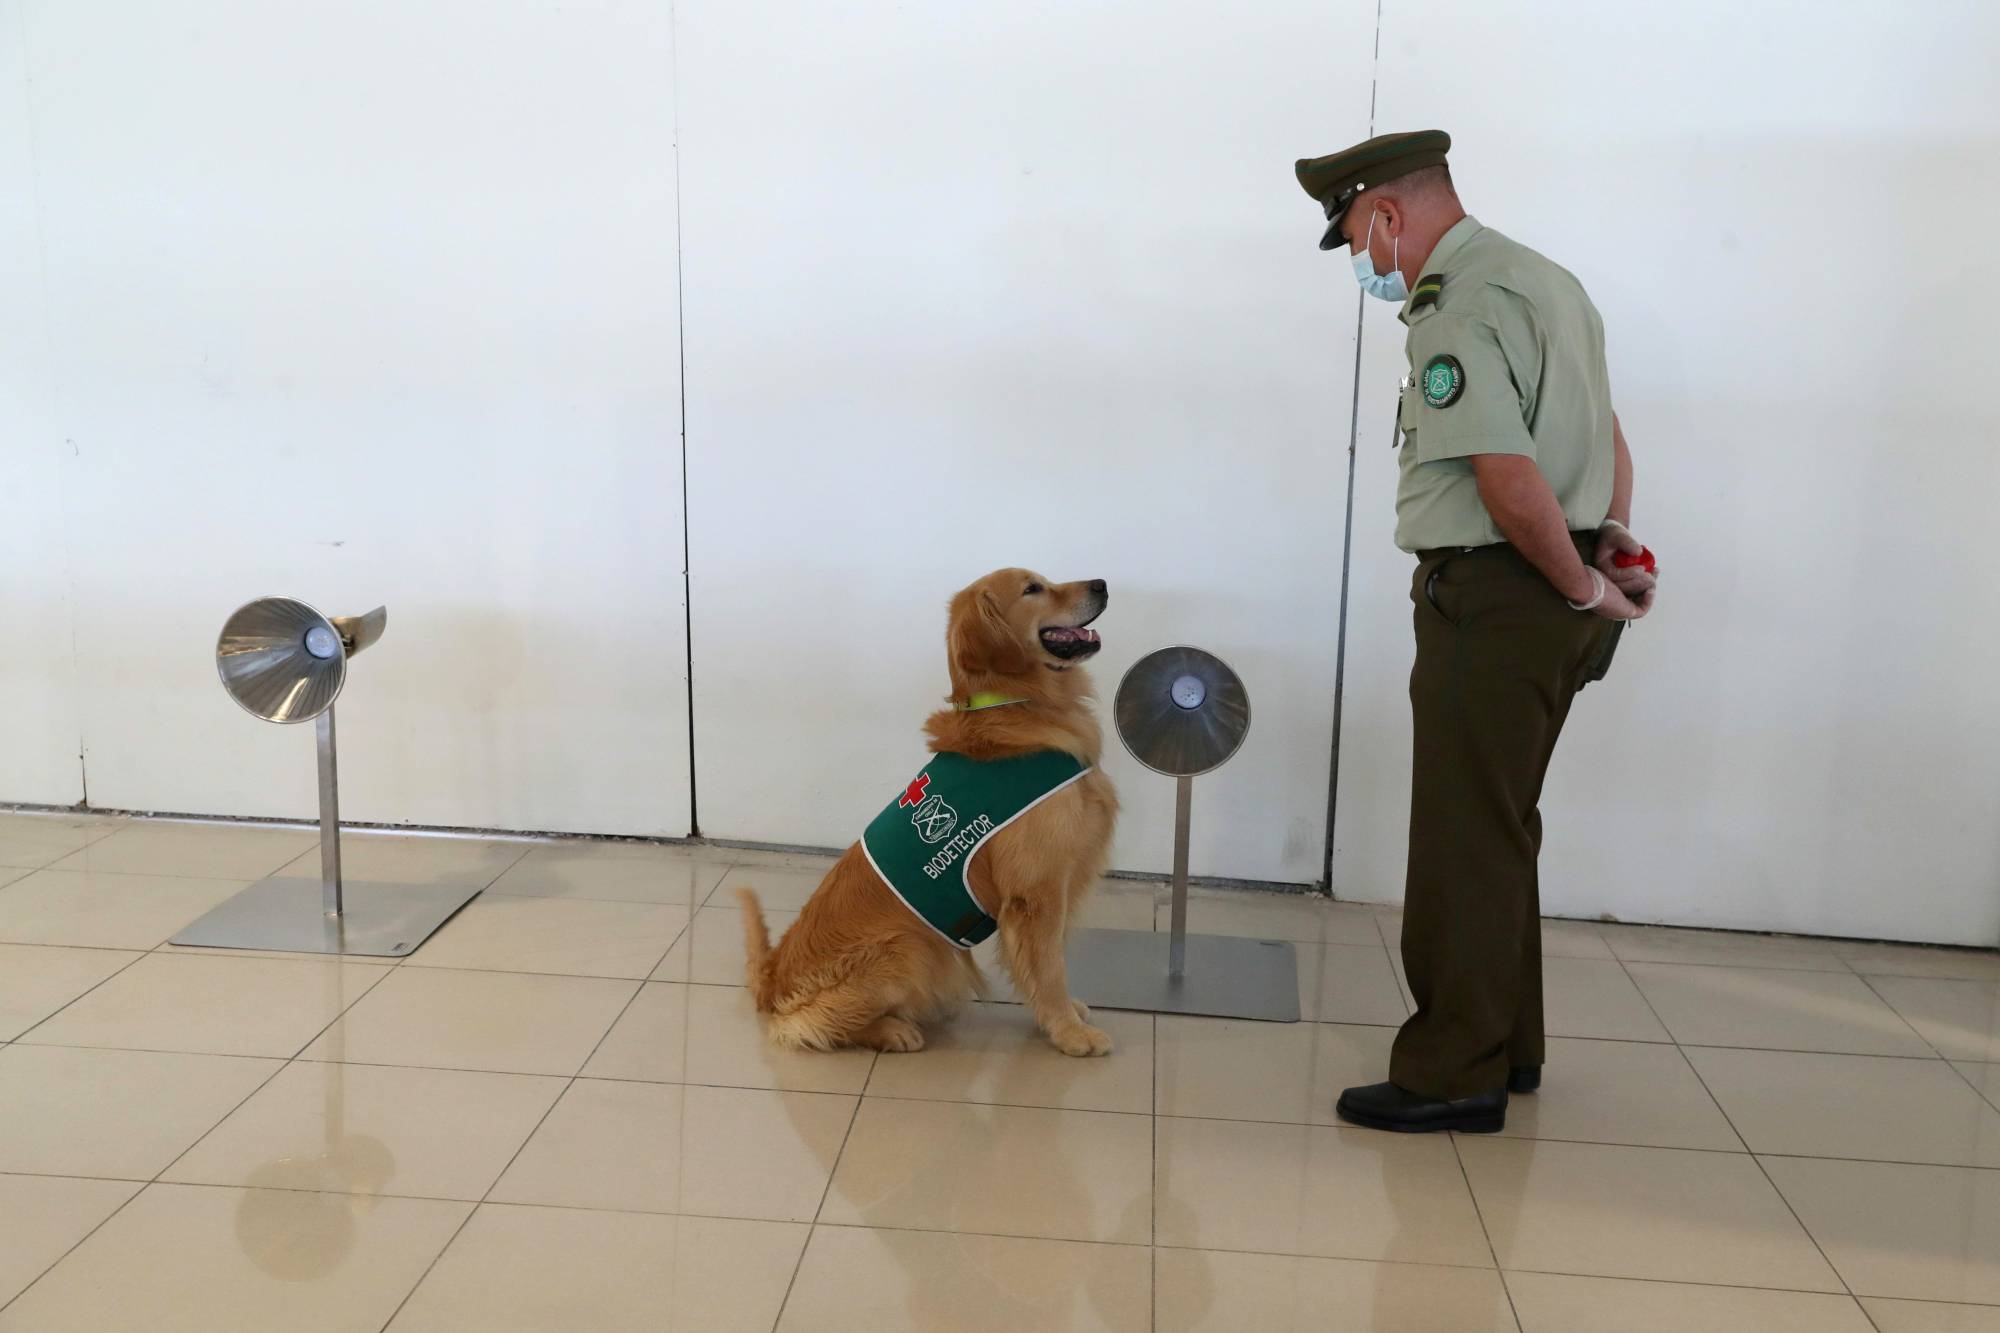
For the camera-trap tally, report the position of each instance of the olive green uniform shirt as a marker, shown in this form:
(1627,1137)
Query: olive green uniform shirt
(1506,358)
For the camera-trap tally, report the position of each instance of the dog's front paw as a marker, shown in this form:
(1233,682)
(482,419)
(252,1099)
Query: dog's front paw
(1082,1040)
(892,1033)
(1082,1010)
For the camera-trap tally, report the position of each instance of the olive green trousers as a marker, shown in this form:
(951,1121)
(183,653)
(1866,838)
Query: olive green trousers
(1500,658)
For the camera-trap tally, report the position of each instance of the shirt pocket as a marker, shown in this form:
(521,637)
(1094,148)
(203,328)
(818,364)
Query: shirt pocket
(1408,404)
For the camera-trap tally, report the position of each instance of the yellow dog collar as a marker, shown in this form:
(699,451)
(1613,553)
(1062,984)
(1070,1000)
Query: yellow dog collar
(988,699)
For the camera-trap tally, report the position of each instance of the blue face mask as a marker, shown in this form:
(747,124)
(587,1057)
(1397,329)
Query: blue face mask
(1388,286)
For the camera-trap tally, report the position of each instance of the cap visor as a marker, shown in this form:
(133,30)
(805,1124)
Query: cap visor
(1333,240)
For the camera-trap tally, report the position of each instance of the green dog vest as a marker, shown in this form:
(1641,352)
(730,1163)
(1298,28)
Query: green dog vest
(922,845)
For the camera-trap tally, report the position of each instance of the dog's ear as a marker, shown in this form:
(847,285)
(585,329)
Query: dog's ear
(982,643)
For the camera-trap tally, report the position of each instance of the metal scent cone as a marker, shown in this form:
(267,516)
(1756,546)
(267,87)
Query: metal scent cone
(283,661)
(1182,712)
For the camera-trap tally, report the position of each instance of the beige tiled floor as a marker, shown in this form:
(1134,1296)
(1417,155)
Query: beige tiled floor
(41,981)
(560,1113)
(867,1280)
(682,1148)
(1931,1317)
(1334,1192)
(533,1270)
(32,841)
(1213,1291)
(1775,1009)
(207,851)
(212,1003)
(1960,1019)
(1595,997)
(470,862)
(105,910)
(569,937)
(1659,1213)
(1638,1094)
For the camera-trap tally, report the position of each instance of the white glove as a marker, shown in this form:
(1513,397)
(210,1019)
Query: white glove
(1607,601)
(1613,539)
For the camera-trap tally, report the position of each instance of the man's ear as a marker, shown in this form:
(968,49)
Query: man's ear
(982,643)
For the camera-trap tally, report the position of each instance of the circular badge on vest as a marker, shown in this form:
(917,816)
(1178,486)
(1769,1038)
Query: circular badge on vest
(1444,380)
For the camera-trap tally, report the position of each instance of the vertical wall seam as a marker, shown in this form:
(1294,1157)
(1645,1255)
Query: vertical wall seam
(680,347)
(1347,523)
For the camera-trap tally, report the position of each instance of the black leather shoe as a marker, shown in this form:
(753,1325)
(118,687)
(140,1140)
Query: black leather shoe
(1524,1078)
(1386,1106)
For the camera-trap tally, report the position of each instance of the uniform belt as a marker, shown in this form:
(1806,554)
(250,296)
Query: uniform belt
(1586,544)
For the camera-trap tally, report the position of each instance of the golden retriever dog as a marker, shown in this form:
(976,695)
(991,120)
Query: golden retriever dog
(859,967)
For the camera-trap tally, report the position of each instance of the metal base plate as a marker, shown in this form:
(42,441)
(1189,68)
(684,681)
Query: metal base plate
(377,920)
(1224,977)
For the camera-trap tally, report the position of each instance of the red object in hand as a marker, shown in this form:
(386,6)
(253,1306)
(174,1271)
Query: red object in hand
(1644,560)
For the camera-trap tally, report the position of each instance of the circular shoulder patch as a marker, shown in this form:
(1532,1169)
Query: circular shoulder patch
(1444,380)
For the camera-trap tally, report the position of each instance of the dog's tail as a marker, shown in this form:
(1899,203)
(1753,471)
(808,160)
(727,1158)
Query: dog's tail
(756,949)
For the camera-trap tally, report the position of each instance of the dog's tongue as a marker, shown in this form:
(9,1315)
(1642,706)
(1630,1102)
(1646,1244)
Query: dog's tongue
(1064,634)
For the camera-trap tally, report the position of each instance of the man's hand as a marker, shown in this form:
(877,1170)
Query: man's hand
(1615,539)
(1617,606)
(1524,508)
(1613,605)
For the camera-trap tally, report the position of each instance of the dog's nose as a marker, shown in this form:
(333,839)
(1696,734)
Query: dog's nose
(1097,586)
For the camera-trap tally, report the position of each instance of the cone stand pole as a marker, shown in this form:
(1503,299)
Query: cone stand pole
(1177,973)
(329,913)
(329,816)
(1177,939)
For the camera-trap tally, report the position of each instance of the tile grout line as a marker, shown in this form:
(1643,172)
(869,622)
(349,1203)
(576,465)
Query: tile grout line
(638,989)
(1002,1235)
(559,839)
(1949,1061)
(714,986)
(143,1185)
(1762,1170)
(100,836)
(309,871)
(1153,1183)
(430,1267)
(52,1014)
(1070,1109)
(1562,1272)
(1847,966)
(286,1063)
(710,985)
(336,961)
(1485,1231)
(1977,1091)
(727,1217)
(1929,1045)
(799,1263)
(199,1139)
(1339,1128)
(826,1192)
(169,950)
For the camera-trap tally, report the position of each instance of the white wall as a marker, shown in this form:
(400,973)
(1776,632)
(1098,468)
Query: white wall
(1781,211)
(974,286)
(40,736)
(357,303)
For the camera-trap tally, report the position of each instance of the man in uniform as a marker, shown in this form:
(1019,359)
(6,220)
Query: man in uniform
(1515,492)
